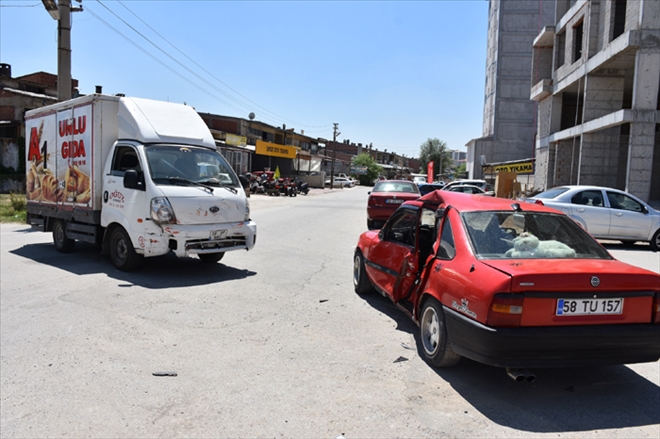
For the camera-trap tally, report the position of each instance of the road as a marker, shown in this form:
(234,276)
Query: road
(267,343)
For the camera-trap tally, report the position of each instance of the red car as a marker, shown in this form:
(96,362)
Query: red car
(386,197)
(509,284)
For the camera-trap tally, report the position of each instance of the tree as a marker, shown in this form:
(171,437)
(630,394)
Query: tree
(435,150)
(373,168)
(461,171)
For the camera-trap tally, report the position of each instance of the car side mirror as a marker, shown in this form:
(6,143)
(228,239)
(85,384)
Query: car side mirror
(132,180)
(244,181)
(645,210)
(369,193)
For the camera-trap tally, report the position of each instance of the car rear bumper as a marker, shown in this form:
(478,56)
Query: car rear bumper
(563,346)
(378,213)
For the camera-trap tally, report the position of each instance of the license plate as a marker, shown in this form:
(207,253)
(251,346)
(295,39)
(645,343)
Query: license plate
(390,201)
(218,234)
(583,307)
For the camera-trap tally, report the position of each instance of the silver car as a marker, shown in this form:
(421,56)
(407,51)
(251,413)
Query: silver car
(606,213)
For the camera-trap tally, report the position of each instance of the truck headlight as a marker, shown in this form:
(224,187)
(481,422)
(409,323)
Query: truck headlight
(161,211)
(247,211)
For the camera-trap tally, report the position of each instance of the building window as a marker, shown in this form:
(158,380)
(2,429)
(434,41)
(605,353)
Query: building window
(619,25)
(561,49)
(578,30)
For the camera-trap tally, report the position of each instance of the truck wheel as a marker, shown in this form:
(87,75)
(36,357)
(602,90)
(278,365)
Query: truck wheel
(122,252)
(433,335)
(63,244)
(211,258)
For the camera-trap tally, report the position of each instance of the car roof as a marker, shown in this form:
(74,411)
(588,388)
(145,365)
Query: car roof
(473,203)
(466,185)
(582,186)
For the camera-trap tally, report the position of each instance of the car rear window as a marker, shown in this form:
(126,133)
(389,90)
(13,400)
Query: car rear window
(514,235)
(396,186)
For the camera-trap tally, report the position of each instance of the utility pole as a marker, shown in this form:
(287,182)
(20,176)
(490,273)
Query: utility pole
(62,13)
(335,133)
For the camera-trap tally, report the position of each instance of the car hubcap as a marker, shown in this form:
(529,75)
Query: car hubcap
(430,331)
(356,270)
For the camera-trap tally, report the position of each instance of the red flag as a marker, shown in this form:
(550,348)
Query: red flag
(429,172)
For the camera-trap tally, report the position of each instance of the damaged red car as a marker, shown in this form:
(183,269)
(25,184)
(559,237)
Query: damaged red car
(509,284)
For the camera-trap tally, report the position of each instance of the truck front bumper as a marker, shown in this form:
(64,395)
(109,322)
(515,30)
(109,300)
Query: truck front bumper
(186,240)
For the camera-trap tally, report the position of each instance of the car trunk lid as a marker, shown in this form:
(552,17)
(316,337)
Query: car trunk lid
(580,291)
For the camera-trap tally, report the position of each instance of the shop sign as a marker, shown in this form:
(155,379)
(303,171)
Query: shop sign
(233,139)
(520,168)
(275,150)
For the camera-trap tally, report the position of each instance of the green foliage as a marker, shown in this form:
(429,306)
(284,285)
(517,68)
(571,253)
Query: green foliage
(373,168)
(435,150)
(13,208)
(461,171)
(17,201)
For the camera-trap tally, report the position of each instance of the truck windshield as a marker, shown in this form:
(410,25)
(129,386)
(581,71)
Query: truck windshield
(173,164)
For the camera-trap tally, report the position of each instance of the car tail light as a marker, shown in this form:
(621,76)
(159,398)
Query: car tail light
(656,308)
(505,310)
(539,202)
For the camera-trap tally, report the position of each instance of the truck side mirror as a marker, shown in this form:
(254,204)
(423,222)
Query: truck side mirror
(244,181)
(132,180)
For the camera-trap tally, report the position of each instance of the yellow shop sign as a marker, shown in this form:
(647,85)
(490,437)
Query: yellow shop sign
(520,168)
(275,150)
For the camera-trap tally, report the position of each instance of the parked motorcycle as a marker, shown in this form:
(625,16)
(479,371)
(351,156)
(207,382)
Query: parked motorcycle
(286,188)
(302,187)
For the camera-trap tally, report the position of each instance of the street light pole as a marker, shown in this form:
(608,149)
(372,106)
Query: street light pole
(334,155)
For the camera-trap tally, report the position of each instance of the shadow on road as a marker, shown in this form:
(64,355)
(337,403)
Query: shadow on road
(618,245)
(160,272)
(560,400)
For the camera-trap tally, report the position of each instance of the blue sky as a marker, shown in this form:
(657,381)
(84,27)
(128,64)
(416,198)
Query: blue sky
(389,73)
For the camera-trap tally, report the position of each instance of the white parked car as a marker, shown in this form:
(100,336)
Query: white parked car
(606,213)
(341,182)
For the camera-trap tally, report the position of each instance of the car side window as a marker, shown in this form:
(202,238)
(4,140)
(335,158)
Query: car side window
(125,158)
(588,198)
(446,249)
(624,202)
(402,229)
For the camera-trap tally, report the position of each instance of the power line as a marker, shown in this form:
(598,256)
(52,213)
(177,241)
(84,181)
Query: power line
(227,95)
(213,76)
(158,60)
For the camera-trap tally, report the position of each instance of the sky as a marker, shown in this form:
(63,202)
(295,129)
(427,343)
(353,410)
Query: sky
(389,73)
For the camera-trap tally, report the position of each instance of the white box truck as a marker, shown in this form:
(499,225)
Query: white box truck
(141,178)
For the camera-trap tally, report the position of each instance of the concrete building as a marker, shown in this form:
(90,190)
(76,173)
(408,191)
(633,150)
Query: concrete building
(596,78)
(509,123)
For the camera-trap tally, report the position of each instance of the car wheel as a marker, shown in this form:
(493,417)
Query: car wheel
(122,253)
(361,282)
(63,244)
(433,334)
(655,241)
(211,258)
(370,224)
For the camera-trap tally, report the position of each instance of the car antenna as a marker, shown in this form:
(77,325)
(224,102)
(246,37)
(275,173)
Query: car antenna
(516,207)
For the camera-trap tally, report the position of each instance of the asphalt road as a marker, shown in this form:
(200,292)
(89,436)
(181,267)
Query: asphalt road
(267,343)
